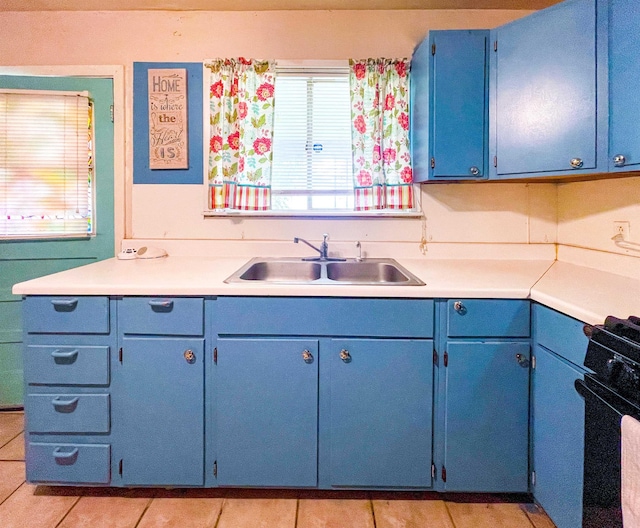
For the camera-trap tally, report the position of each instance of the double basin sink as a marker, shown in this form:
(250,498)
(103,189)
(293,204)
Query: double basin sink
(370,272)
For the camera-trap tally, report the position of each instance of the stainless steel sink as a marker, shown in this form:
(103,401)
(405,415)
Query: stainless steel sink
(282,271)
(367,272)
(371,272)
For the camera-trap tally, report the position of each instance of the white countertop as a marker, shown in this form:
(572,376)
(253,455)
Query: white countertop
(587,294)
(584,293)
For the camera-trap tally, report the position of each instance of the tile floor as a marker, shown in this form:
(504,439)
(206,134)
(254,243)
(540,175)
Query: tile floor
(24,505)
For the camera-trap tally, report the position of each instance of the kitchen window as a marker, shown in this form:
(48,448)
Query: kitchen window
(312,167)
(308,138)
(46,164)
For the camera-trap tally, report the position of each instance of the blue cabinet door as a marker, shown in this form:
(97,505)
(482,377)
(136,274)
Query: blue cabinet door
(381,412)
(449,83)
(558,439)
(158,411)
(546,91)
(624,96)
(266,418)
(486,416)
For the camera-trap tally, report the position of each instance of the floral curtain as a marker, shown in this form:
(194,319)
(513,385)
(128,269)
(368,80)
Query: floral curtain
(241,133)
(380,133)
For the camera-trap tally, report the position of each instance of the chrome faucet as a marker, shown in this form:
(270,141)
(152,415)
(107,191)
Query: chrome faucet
(323,249)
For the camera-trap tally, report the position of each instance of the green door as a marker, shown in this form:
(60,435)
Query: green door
(22,260)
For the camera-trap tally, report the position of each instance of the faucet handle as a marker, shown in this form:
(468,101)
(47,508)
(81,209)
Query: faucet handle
(325,237)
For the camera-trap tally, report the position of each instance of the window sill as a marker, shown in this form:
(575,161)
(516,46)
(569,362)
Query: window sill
(312,214)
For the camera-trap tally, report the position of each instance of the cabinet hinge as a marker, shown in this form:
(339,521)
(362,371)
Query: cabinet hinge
(435,357)
(533,362)
(533,478)
(446,359)
(433,48)
(111,110)
(120,467)
(433,471)
(444,474)
(495,45)
(215,468)
(495,161)
(120,355)
(433,163)
(215,355)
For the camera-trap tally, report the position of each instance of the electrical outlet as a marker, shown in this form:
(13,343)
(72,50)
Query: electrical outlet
(622,229)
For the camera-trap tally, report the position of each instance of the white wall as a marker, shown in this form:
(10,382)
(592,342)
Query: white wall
(510,213)
(587,211)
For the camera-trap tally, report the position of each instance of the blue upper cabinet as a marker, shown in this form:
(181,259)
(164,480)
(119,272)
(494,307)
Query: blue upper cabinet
(449,98)
(549,92)
(624,72)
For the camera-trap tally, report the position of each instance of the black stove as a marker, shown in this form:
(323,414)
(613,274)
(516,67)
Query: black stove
(610,391)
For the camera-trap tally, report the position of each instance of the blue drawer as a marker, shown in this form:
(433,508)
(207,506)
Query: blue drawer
(488,318)
(69,463)
(66,315)
(161,316)
(67,413)
(317,316)
(66,365)
(560,333)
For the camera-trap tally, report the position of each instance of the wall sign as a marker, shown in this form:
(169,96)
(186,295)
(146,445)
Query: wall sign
(168,132)
(193,174)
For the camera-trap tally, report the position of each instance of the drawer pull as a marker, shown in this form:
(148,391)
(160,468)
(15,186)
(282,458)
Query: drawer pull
(459,307)
(164,304)
(65,405)
(65,457)
(62,304)
(65,354)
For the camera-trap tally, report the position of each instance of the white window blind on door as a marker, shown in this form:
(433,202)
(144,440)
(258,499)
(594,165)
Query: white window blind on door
(312,167)
(45,164)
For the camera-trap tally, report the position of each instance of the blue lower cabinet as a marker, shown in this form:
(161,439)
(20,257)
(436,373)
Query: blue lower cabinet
(266,401)
(486,399)
(68,463)
(558,438)
(158,410)
(381,412)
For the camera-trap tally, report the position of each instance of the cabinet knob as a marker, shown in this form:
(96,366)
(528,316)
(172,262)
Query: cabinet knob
(619,160)
(307,356)
(474,171)
(459,307)
(576,163)
(345,356)
(522,360)
(189,356)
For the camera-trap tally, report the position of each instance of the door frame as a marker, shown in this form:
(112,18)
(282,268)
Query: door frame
(116,73)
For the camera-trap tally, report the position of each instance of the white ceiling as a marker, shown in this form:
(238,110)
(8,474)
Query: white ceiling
(263,5)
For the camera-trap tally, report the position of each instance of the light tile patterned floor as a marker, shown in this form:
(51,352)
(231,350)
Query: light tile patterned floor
(24,505)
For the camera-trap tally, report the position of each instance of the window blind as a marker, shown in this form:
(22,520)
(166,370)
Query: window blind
(45,164)
(312,141)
